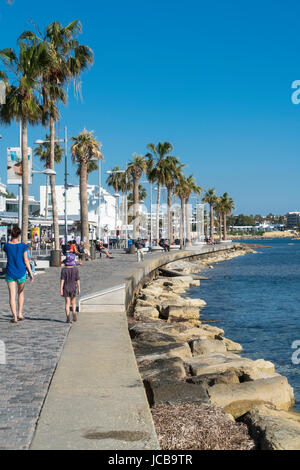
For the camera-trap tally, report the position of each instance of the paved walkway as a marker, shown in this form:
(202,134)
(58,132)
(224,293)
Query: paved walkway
(34,347)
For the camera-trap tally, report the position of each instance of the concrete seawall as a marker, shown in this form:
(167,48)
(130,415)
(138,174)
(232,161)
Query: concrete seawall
(96,399)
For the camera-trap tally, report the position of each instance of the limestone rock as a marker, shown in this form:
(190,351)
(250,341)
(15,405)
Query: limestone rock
(172,392)
(213,329)
(147,311)
(246,369)
(273,429)
(204,346)
(208,380)
(150,352)
(232,345)
(162,368)
(238,399)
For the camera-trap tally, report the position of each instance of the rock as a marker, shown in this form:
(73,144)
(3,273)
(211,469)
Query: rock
(162,368)
(246,369)
(157,338)
(143,303)
(208,380)
(238,399)
(204,346)
(273,429)
(213,329)
(178,313)
(173,392)
(150,352)
(232,346)
(147,311)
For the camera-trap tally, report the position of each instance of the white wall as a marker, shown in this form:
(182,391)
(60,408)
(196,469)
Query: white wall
(108,204)
(2,197)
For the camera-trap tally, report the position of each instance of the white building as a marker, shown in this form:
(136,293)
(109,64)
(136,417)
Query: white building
(108,206)
(2,197)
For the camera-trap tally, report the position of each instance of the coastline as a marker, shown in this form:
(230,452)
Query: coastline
(194,376)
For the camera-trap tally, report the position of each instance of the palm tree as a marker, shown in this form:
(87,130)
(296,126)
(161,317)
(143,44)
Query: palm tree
(66,60)
(135,169)
(43,151)
(181,190)
(210,198)
(219,209)
(155,173)
(228,207)
(170,171)
(85,150)
(22,103)
(191,187)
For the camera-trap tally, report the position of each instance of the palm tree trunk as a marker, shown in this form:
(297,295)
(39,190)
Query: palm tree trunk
(225,225)
(52,184)
(182,221)
(157,212)
(170,216)
(220,225)
(84,214)
(46,200)
(188,225)
(24,183)
(212,221)
(136,215)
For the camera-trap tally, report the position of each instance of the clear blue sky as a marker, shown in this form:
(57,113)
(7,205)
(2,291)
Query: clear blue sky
(213,78)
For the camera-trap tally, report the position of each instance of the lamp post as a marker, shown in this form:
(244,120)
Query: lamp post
(66,185)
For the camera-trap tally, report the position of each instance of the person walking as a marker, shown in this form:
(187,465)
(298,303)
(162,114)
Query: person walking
(139,250)
(69,285)
(15,274)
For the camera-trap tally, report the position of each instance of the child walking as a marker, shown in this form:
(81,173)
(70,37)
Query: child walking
(69,285)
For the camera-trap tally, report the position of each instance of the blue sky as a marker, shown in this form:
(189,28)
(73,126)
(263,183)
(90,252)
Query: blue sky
(213,78)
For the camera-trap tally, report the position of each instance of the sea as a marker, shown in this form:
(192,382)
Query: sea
(256,300)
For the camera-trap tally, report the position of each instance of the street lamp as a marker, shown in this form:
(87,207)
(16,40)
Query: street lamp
(65,141)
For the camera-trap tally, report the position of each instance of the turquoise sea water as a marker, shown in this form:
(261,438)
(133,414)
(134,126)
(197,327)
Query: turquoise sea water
(256,299)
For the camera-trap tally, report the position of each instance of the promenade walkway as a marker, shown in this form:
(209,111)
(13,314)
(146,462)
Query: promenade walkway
(34,347)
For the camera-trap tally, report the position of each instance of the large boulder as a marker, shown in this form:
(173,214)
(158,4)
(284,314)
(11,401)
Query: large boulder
(217,363)
(151,312)
(208,380)
(151,352)
(232,345)
(238,399)
(172,392)
(273,429)
(162,368)
(180,313)
(204,346)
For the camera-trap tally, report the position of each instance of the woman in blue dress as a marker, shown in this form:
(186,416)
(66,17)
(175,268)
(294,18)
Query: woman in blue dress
(15,275)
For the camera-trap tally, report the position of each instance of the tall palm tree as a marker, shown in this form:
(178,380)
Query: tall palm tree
(85,150)
(181,190)
(117,181)
(155,171)
(135,169)
(22,103)
(171,170)
(219,210)
(228,207)
(43,152)
(67,59)
(191,188)
(210,198)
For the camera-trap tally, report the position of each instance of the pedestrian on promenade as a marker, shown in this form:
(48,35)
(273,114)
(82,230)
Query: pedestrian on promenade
(17,263)
(139,250)
(69,285)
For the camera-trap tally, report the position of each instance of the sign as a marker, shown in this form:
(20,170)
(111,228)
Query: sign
(14,165)
(35,231)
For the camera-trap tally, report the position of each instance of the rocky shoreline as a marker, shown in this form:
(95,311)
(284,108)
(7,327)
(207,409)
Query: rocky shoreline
(202,393)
